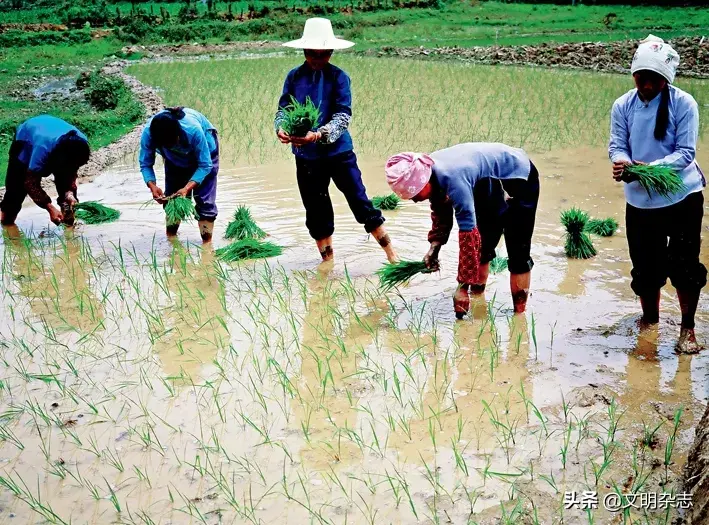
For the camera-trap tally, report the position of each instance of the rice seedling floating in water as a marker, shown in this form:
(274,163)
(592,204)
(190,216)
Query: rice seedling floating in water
(498,264)
(243,226)
(602,227)
(300,118)
(248,249)
(92,212)
(393,274)
(578,243)
(386,202)
(659,178)
(178,209)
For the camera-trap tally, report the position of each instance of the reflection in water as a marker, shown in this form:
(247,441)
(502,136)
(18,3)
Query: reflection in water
(193,327)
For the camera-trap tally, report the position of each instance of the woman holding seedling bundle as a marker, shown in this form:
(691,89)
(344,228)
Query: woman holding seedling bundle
(188,143)
(323,147)
(657,124)
(42,146)
(448,179)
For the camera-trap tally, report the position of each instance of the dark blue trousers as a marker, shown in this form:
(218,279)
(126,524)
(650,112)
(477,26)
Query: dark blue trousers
(314,177)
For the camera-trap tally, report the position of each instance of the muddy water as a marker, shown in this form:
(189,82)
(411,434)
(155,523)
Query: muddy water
(206,393)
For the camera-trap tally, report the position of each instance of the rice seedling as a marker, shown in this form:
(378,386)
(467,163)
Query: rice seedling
(93,212)
(394,274)
(578,244)
(248,249)
(670,444)
(386,202)
(299,118)
(658,178)
(498,264)
(243,226)
(601,227)
(178,209)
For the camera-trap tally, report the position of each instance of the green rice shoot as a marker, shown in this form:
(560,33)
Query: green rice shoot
(601,227)
(179,208)
(386,202)
(393,274)
(658,178)
(578,244)
(93,212)
(300,118)
(248,249)
(498,264)
(243,226)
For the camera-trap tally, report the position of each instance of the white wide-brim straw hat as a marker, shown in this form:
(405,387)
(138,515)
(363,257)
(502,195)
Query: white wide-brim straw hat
(318,35)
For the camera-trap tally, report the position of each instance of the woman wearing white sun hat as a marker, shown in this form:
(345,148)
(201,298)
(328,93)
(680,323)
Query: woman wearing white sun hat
(326,153)
(658,123)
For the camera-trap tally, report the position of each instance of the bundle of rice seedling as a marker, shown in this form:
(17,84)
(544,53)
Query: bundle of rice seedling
(92,212)
(386,202)
(248,249)
(602,227)
(578,243)
(498,264)
(179,208)
(300,118)
(661,179)
(393,274)
(243,226)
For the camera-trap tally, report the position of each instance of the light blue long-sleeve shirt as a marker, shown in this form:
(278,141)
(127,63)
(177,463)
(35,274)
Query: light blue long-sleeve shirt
(457,169)
(39,137)
(194,149)
(633,139)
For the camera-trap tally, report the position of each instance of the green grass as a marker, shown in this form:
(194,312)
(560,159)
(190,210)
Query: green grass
(578,244)
(386,202)
(394,274)
(178,209)
(243,226)
(660,179)
(602,227)
(248,249)
(92,212)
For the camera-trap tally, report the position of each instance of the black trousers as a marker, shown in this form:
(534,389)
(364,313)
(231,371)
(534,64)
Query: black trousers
(517,223)
(665,242)
(314,182)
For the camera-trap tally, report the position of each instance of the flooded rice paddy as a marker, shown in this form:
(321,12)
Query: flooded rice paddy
(143,381)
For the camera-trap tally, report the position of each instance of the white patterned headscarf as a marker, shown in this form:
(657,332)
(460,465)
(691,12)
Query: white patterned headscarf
(654,54)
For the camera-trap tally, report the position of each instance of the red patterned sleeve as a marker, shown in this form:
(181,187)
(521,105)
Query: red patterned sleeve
(469,256)
(33,187)
(442,221)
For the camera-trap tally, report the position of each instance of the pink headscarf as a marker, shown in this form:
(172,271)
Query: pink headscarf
(408,173)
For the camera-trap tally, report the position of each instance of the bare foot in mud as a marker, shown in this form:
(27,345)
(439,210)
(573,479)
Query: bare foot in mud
(687,342)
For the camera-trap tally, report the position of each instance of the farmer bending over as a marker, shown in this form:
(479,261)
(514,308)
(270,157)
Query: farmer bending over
(42,146)
(657,123)
(448,178)
(188,143)
(326,153)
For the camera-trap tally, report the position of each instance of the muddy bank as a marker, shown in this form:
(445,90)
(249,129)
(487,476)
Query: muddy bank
(696,476)
(613,57)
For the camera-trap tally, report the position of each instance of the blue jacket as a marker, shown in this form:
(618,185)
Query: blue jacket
(38,138)
(330,90)
(194,150)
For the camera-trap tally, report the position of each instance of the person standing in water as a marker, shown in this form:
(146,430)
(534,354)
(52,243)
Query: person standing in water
(658,123)
(188,143)
(327,153)
(448,179)
(44,145)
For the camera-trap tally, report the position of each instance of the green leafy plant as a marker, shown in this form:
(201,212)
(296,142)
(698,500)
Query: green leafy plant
(601,227)
(243,226)
(178,209)
(248,249)
(300,118)
(660,178)
(498,264)
(104,92)
(386,202)
(578,244)
(393,274)
(93,212)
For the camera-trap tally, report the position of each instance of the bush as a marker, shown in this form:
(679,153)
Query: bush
(104,92)
(134,31)
(96,14)
(15,38)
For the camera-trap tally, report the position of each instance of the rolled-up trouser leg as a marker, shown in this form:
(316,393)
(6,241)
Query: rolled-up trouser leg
(313,182)
(519,221)
(647,231)
(205,195)
(15,192)
(685,232)
(348,178)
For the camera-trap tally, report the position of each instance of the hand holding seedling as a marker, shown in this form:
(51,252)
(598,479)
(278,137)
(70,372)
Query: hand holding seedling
(618,169)
(431,257)
(157,192)
(186,190)
(283,137)
(310,137)
(55,215)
